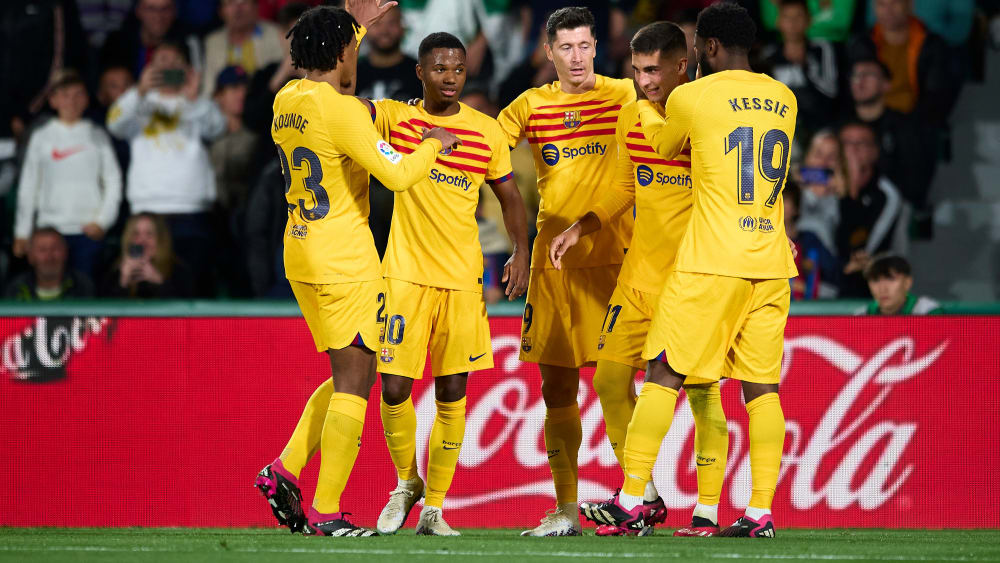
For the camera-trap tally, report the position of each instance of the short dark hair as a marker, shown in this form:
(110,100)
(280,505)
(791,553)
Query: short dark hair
(45,231)
(857,123)
(439,40)
(67,77)
(570,17)
(179,47)
(886,73)
(886,266)
(802,3)
(320,37)
(291,12)
(729,23)
(663,37)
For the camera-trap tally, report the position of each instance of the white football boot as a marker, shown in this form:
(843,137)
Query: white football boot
(563,521)
(401,501)
(432,523)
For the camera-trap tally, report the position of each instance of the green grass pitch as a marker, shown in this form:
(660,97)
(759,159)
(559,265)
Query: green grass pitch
(478,545)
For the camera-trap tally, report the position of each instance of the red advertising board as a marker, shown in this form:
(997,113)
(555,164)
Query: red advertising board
(892,422)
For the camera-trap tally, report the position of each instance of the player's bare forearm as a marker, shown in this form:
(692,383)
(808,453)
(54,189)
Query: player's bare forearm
(515,220)
(589,223)
(567,239)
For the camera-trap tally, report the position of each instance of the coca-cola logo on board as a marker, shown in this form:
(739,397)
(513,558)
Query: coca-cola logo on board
(509,417)
(39,353)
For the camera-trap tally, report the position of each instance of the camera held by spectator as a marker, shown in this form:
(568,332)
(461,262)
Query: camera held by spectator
(147,267)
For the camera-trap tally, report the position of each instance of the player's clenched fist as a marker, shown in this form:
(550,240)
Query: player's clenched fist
(515,274)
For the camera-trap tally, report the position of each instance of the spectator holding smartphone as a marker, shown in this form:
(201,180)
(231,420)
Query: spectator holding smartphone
(823,180)
(147,267)
(170,174)
(70,179)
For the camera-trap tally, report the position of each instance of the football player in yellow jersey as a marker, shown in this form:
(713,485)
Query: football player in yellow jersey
(660,191)
(570,125)
(723,309)
(322,136)
(433,269)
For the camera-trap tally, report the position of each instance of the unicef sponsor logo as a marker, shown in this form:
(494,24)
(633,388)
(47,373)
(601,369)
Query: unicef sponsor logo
(644,175)
(759,224)
(550,154)
(748,223)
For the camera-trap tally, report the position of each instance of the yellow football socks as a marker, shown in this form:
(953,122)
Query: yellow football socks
(306,437)
(563,434)
(341,441)
(443,448)
(615,387)
(767,438)
(400,425)
(654,411)
(711,440)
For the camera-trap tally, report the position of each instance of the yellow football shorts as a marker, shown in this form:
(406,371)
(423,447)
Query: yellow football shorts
(449,323)
(342,314)
(563,314)
(626,324)
(709,326)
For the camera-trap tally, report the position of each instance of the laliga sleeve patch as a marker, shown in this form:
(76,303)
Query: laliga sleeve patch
(388,152)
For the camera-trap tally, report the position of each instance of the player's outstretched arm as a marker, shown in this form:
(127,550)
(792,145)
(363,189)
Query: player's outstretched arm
(358,139)
(568,238)
(666,136)
(517,268)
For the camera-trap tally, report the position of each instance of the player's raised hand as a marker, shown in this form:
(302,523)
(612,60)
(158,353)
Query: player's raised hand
(563,242)
(515,274)
(368,12)
(448,139)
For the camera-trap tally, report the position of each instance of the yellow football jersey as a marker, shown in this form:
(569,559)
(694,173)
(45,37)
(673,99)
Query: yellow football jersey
(740,125)
(434,238)
(325,140)
(660,189)
(572,138)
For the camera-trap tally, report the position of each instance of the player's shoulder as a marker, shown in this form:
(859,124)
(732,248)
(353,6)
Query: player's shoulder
(476,120)
(629,112)
(620,87)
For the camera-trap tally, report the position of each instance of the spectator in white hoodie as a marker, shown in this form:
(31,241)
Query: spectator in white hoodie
(70,179)
(170,173)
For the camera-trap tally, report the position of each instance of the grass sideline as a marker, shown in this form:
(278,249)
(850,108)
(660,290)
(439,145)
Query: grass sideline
(193,545)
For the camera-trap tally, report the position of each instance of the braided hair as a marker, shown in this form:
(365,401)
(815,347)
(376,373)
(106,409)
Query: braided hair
(320,37)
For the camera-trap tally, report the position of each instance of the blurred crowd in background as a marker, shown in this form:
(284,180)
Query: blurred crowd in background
(136,159)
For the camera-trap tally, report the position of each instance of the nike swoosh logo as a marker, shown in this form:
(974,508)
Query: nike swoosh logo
(59,155)
(703,464)
(447,448)
(474,358)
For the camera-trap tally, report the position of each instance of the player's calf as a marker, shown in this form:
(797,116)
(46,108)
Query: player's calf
(281,490)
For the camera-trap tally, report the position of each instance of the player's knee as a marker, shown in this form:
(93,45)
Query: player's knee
(662,374)
(395,389)
(559,392)
(610,388)
(450,388)
(753,390)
